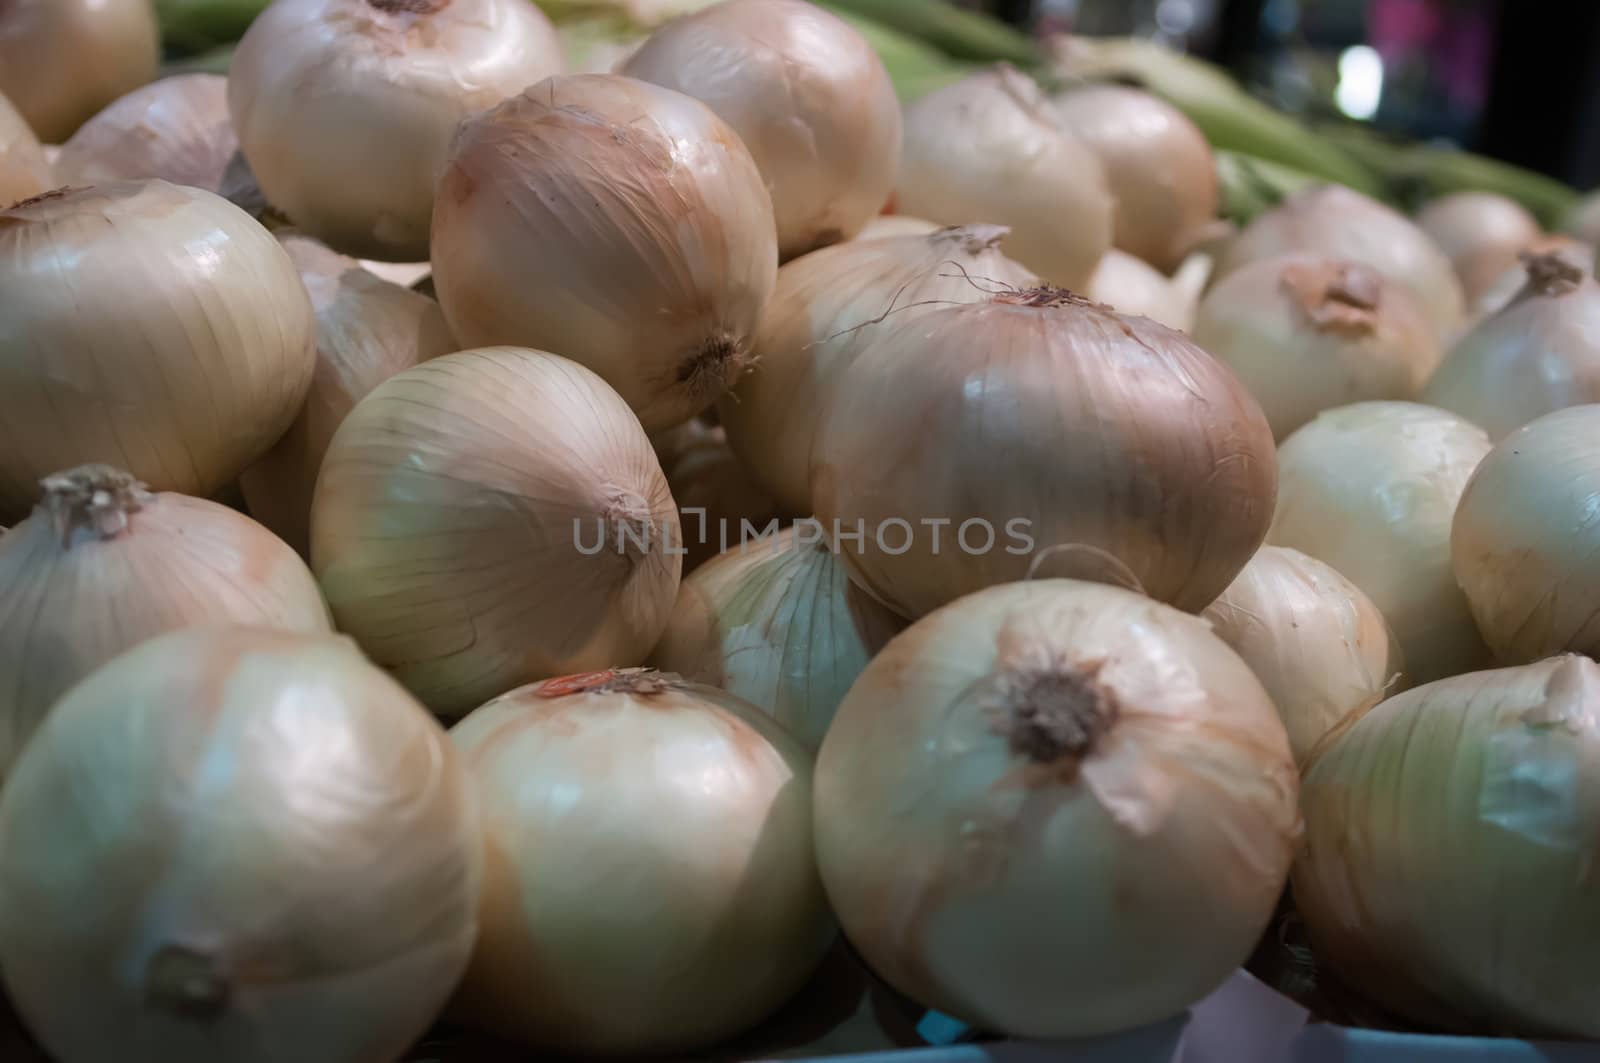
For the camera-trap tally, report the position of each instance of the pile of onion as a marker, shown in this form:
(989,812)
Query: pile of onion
(977,444)
(1307,333)
(367,331)
(1482,234)
(24,169)
(1129,286)
(1009,788)
(989,149)
(807,94)
(237,844)
(719,502)
(150,325)
(1371,489)
(63,60)
(651,883)
(176,129)
(827,308)
(1448,870)
(636,217)
(493,517)
(345,108)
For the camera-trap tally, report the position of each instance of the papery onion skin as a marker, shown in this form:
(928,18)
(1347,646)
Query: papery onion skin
(1168,485)
(1130,286)
(807,95)
(1514,278)
(152,326)
(1005,794)
(717,497)
(638,217)
(1447,870)
(63,60)
(828,308)
(897,225)
(1371,489)
(367,331)
(235,844)
(346,108)
(176,129)
(1482,233)
(24,168)
(1307,333)
(988,149)
(652,885)
(493,517)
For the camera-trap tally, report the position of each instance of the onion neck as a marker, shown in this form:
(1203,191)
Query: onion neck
(707,371)
(1048,297)
(186,984)
(1338,297)
(409,7)
(96,499)
(1053,715)
(972,239)
(640,682)
(1550,273)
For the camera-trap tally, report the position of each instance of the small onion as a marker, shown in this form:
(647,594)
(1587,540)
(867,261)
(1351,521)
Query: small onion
(988,149)
(1158,163)
(493,517)
(176,129)
(25,170)
(149,325)
(1129,454)
(346,108)
(1514,278)
(1371,489)
(1525,538)
(809,97)
(637,217)
(652,885)
(1448,870)
(61,61)
(776,622)
(1482,233)
(897,225)
(1306,334)
(1540,353)
(829,307)
(716,496)
(367,331)
(1129,286)
(1316,642)
(237,844)
(1055,809)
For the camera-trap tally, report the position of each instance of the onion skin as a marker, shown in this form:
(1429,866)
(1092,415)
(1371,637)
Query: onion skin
(176,129)
(1113,483)
(637,215)
(1482,233)
(716,496)
(61,61)
(237,844)
(807,95)
(454,527)
(689,906)
(1447,870)
(897,225)
(24,169)
(147,325)
(1005,794)
(1129,286)
(1514,278)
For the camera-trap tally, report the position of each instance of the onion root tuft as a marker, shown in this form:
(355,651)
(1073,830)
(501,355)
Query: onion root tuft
(1053,713)
(97,498)
(186,984)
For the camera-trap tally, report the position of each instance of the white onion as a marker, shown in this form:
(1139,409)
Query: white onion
(24,169)
(988,149)
(897,225)
(717,497)
(652,885)
(809,97)
(235,844)
(176,129)
(1307,333)
(1448,867)
(492,517)
(638,218)
(1514,278)
(1055,809)
(1482,233)
(1584,220)
(1371,489)
(1130,286)
(147,325)
(63,60)
(828,308)
(346,108)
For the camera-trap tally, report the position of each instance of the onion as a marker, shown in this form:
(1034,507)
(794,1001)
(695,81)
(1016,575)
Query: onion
(24,169)
(1307,333)
(1514,278)
(636,215)
(1371,489)
(490,518)
(346,108)
(1167,483)
(176,129)
(1482,233)
(1448,870)
(1129,286)
(806,93)
(149,325)
(1158,163)
(775,621)
(1316,642)
(1055,809)
(367,331)
(716,496)
(63,60)
(651,880)
(827,309)
(1584,221)
(1336,222)
(236,844)
(988,149)
(897,225)
(1538,354)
